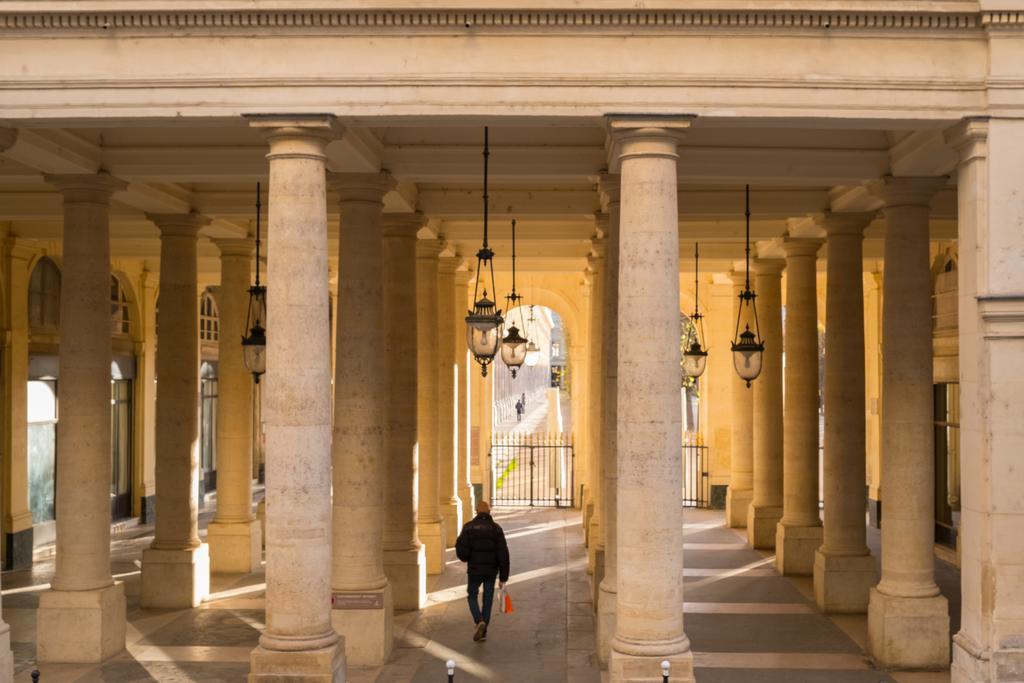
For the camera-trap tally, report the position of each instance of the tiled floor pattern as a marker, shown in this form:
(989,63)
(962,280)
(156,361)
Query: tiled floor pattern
(745,622)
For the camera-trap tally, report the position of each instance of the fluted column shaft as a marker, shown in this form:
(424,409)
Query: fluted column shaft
(649,616)
(447,395)
(595,403)
(741,466)
(429,520)
(843,569)
(908,620)
(799,532)
(297,409)
(766,505)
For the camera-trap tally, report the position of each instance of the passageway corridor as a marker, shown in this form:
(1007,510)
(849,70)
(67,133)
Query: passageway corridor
(745,621)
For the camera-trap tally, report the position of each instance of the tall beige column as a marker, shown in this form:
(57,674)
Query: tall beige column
(234,536)
(176,567)
(649,609)
(82,617)
(361,594)
(429,522)
(844,570)
(608,588)
(299,642)
(581,413)
(716,386)
(463,387)
(447,397)
(799,532)
(908,619)
(404,559)
(595,372)
(741,464)
(765,509)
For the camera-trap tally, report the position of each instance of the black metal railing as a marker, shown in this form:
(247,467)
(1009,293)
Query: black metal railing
(536,470)
(696,480)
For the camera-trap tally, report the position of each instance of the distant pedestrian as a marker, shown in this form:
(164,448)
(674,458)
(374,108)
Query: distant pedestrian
(519,411)
(523,399)
(482,546)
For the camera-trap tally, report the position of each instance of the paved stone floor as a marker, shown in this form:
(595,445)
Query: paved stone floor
(745,622)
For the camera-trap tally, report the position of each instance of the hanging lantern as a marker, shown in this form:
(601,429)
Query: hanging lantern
(254,344)
(483,323)
(695,358)
(514,345)
(748,347)
(532,350)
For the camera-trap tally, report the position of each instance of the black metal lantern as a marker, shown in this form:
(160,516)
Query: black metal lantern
(483,324)
(532,350)
(254,344)
(514,345)
(695,358)
(748,347)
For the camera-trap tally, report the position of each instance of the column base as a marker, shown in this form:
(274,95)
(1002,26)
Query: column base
(80,626)
(842,582)
(737,505)
(468,505)
(451,513)
(313,666)
(762,521)
(632,668)
(909,633)
(587,510)
(18,547)
(606,606)
(598,577)
(6,656)
(365,619)
(973,663)
(432,536)
(235,547)
(175,579)
(407,576)
(596,543)
(795,547)
(261,515)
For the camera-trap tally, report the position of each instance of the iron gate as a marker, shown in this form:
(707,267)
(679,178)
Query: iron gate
(533,470)
(696,481)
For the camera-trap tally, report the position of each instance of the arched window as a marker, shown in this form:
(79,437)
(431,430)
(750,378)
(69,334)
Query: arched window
(120,319)
(44,295)
(209,319)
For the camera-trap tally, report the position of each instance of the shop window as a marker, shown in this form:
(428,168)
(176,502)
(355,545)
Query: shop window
(44,295)
(947,462)
(209,319)
(120,320)
(121,448)
(42,449)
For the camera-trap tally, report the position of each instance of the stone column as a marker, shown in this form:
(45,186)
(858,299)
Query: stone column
(908,619)
(607,592)
(404,560)
(595,371)
(299,642)
(649,609)
(361,593)
(176,567)
(799,532)
(234,535)
(741,465)
(765,509)
(988,647)
(844,570)
(463,386)
(715,386)
(82,617)
(447,397)
(429,522)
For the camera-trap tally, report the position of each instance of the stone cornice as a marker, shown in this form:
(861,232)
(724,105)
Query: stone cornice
(325,19)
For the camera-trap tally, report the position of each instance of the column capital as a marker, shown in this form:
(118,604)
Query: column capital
(239,247)
(969,138)
(769,266)
(448,264)
(801,246)
(403,224)
(19,248)
(178,224)
(645,135)
(429,249)
(297,136)
(850,223)
(462,277)
(603,223)
(598,249)
(910,190)
(90,188)
(609,188)
(8,136)
(361,187)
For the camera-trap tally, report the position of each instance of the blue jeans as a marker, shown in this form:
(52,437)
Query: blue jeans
(473,589)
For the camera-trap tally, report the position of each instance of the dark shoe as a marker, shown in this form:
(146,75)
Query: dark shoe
(481,632)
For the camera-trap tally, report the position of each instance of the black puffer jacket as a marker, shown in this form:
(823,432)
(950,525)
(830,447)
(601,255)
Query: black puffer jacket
(482,547)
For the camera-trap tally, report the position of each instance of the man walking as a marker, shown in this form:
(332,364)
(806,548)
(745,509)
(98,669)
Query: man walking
(482,546)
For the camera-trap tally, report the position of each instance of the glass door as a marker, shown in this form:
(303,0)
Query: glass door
(121,448)
(42,449)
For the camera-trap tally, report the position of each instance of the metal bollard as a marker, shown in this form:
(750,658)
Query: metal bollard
(451,670)
(35,676)
(665,666)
